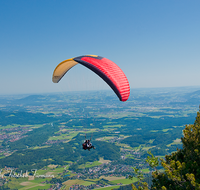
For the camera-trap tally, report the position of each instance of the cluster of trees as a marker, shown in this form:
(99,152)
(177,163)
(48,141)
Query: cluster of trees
(38,158)
(23,118)
(34,138)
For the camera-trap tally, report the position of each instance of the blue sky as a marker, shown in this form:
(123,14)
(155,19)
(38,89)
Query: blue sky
(155,42)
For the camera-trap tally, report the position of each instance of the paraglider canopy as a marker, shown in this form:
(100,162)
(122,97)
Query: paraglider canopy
(103,67)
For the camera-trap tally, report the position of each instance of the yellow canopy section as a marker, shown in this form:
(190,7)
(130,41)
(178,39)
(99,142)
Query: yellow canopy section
(62,68)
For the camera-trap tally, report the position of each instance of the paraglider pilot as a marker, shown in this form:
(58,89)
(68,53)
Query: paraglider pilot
(87,145)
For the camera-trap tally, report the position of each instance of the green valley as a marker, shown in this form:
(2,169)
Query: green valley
(41,136)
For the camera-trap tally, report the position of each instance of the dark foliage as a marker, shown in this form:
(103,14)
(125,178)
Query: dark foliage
(34,138)
(23,118)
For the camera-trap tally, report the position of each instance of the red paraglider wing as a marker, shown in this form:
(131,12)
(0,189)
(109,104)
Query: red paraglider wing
(109,72)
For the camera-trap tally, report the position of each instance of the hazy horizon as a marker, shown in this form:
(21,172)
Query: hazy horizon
(178,88)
